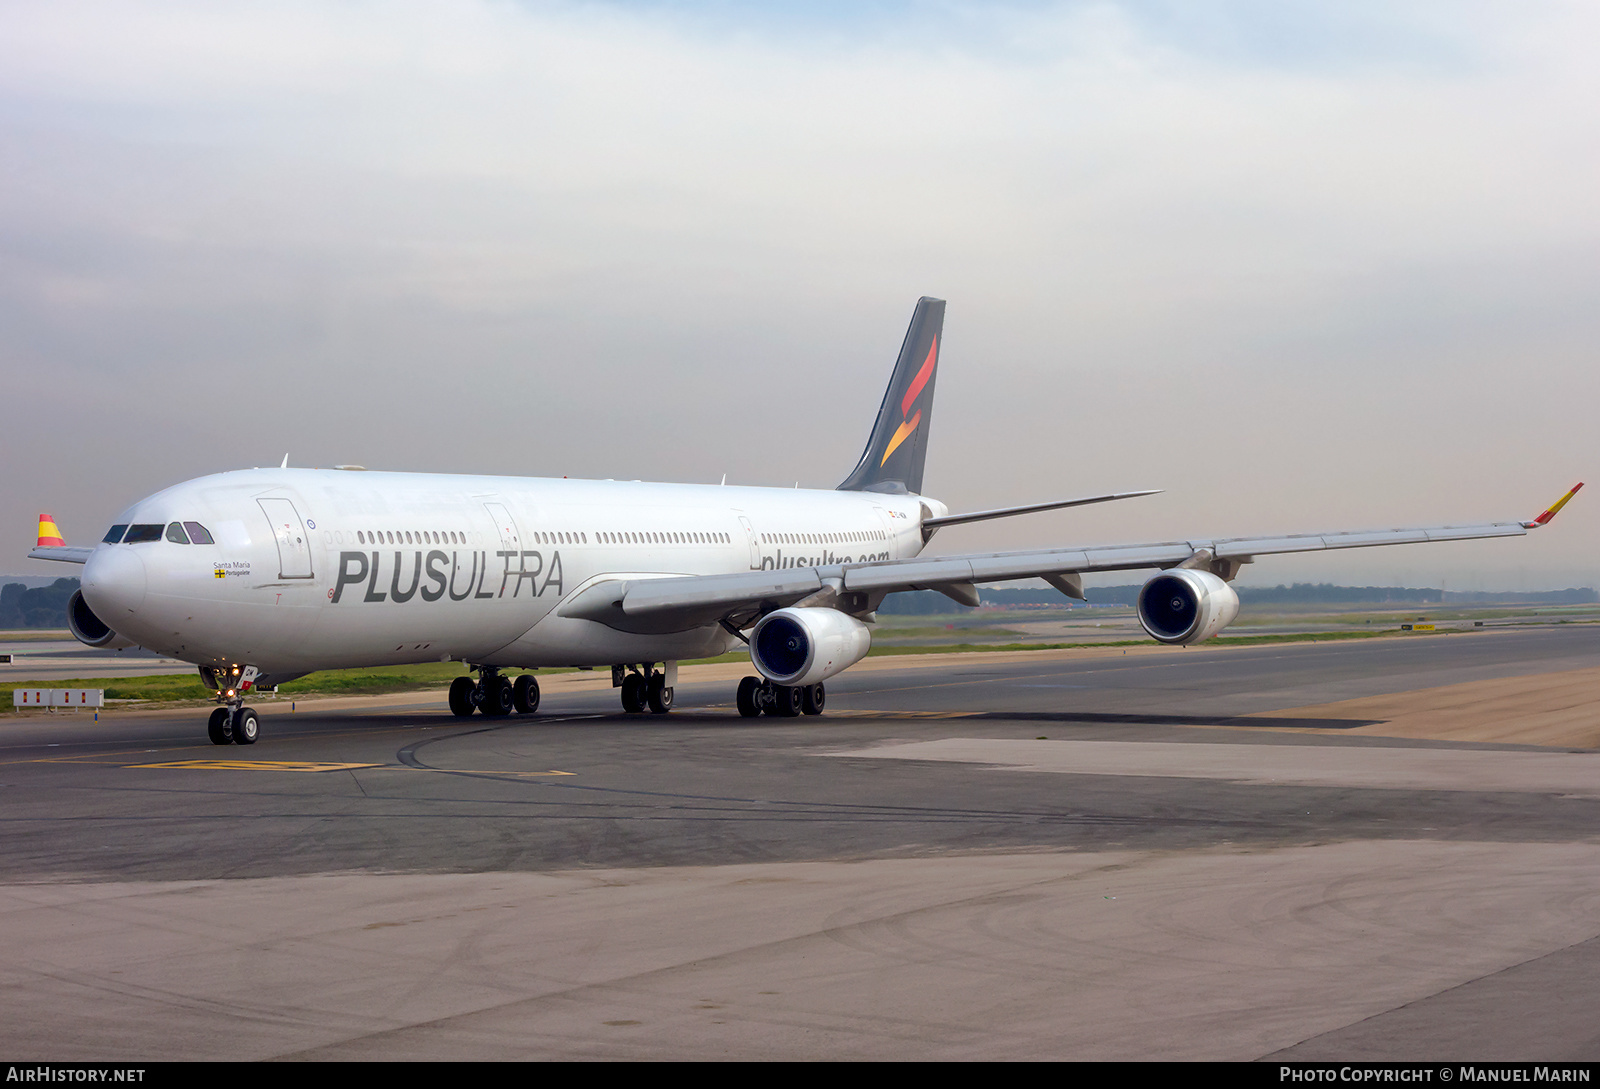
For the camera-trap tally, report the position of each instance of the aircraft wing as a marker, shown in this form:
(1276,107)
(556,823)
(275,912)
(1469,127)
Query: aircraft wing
(64,553)
(673,604)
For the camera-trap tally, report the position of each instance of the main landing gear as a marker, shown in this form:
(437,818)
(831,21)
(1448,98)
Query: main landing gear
(644,686)
(780,701)
(494,695)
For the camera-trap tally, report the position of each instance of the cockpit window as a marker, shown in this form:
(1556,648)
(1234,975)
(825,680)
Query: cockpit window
(114,534)
(176,535)
(143,532)
(198,533)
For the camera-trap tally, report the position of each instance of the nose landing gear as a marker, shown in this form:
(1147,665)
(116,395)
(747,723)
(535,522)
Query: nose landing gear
(232,723)
(234,726)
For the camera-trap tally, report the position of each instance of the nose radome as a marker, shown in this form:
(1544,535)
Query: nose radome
(114,582)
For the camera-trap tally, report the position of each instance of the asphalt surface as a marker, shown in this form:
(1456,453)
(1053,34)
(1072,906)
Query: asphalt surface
(407,792)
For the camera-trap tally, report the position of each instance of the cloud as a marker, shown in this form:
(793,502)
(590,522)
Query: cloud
(1305,266)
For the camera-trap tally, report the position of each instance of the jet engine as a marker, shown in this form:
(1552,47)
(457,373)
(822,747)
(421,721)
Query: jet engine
(1184,606)
(89,629)
(797,647)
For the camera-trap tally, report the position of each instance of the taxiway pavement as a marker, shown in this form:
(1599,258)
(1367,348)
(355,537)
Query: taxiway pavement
(1194,853)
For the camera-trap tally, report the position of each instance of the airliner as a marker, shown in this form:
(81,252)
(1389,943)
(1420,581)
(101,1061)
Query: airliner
(261,576)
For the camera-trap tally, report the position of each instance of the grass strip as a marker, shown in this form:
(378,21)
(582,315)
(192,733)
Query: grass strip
(186,687)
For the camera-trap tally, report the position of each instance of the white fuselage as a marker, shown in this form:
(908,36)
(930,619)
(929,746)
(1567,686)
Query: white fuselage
(320,569)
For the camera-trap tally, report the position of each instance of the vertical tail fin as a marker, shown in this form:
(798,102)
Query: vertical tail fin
(899,443)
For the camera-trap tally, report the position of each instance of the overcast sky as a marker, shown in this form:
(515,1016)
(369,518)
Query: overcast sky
(1305,266)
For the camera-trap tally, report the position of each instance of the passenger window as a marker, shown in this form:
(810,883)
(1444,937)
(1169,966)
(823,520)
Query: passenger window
(114,534)
(198,533)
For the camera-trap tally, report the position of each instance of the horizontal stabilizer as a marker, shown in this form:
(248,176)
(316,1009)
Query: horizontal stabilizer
(1031,508)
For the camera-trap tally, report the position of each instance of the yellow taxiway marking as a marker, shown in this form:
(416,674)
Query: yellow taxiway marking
(297,765)
(256,765)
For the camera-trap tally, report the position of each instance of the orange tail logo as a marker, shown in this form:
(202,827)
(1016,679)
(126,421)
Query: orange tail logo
(909,426)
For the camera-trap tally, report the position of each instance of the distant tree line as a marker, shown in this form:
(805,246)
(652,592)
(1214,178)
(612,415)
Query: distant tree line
(930,602)
(41,607)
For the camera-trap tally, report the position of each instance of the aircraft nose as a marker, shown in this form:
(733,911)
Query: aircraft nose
(114,583)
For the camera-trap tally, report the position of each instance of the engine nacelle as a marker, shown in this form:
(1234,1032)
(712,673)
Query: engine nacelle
(1184,606)
(795,647)
(89,629)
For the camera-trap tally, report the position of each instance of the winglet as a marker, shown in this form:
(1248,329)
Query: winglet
(1553,509)
(49,535)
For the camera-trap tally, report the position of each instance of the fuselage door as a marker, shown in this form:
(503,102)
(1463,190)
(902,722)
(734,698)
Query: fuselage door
(891,545)
(294,548)
(510,540)
(755,544)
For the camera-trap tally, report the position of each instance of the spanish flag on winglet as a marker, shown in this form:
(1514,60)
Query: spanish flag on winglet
(49,535)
